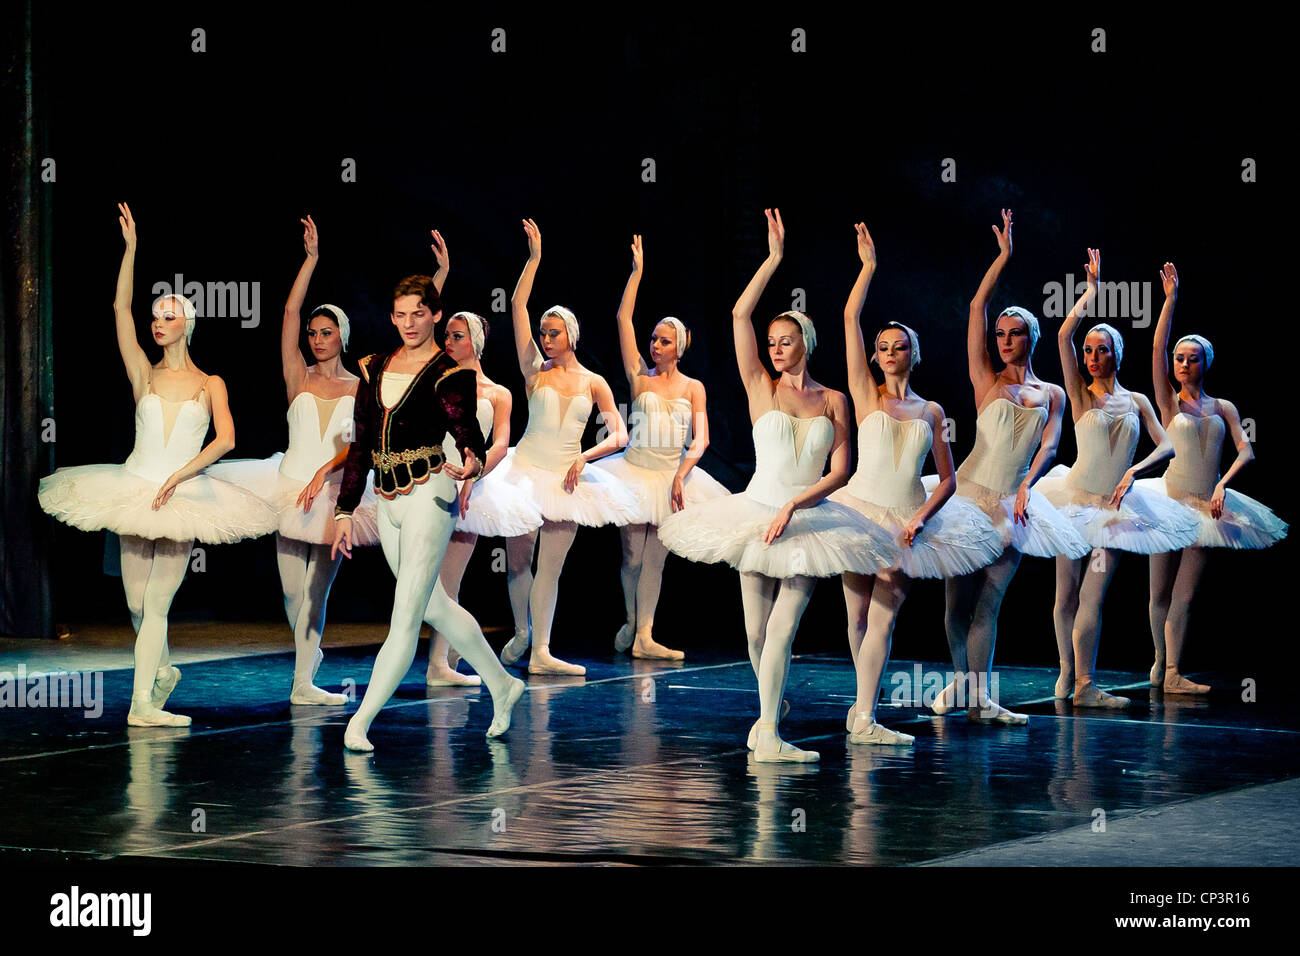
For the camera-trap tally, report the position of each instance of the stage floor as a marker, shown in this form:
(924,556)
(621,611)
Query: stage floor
(643,763)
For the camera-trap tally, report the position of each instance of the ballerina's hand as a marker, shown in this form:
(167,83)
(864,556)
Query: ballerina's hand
(466,472)
(866,248)
(572,475)
(638,255)
(462,499)
(342,537)
(775,232)
(1021,513)
(1004,234)
(309,493)
(310,238)
(1093,268)
(1121,489)
(534,239)
(677,497)
(165,492)
(912,530)
(127,224)
(1169,279)
(778,525)
(439,247)
(1217,501)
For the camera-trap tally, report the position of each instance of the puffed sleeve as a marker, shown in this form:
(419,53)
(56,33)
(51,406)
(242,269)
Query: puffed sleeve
(358,463)
(458,396)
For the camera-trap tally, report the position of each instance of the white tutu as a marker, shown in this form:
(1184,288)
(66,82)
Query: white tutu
(598,498)
(957,540)
(1245,522)
(1145,523)
(262,477)
(1046,532)
(499,509)
(653,487)
(822,541)
(108,497)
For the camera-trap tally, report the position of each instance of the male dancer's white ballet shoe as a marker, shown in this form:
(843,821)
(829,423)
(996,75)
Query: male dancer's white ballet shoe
(772,749)
(752,740)
(354,738)
(310,695)
(439,676)
(989,712)
(147,715)
(647,648)
(867,731)
(623,639)
(1087,694)
(163,684)
(541,662)
(502,707)
(515,648)
(1176,683)
(1065,682)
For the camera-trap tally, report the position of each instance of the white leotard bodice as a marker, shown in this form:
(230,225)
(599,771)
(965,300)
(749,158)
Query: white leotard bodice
(891,453)
(789,455)
(308,447)
(553,437)
(1106,446)
(157,456)
(1006,438)
(658,431)
(1198,442)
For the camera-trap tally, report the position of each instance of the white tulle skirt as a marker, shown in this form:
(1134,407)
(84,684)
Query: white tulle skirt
(822,541)
(957,540)
(1245,522)
(598,498)
(499,509)
(1046,532)
(1146,522)
(108,497)
(653,488)
(262,477)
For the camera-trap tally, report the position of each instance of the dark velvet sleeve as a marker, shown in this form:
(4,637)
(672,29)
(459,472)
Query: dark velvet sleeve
(458,396)
(358,463)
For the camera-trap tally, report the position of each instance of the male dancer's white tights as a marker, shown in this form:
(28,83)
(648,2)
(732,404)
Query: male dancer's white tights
(414,530)
(152,571)
(306,573)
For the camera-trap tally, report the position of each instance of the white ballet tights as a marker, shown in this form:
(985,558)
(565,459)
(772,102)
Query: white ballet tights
(872,602)
(971,606)
(643,572)
(773,607)
(306,573)
(1081,585)
(459,550)
(1175,576)
(552,541)
(152,571)
(414,530)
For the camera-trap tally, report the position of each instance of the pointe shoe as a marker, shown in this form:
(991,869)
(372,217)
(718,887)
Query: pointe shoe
(646,648)
(867,731)
(308,694)
(354,738)
(502,709)
(1157,673)
(941,703)
(163,684)
(623,639)
(990,713)
(1176,683)
(1087,694)
(542,662)
(752,740)
(450,677)
(515,648)
(853,715)
(150,716)
(782,752)
(1065,682)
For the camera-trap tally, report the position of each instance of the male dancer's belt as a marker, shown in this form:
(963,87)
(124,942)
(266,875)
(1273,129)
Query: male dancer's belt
(396,473)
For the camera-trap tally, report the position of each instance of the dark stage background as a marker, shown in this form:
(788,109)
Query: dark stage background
(1137,151)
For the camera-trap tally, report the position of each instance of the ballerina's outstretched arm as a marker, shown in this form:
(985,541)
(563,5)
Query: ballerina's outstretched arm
(530,356)
(133,357)
(440,253)
(1075,387)
(758,384)
(1166,394)
(982,376)
(633,362)
(862,384)
(295,368)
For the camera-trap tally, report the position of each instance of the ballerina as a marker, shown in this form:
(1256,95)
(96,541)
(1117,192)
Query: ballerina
(780,533)
(551,467)
(1196,424)
(940,535)
(407,397)
(1098,496)
(159,501)
(1017,431)
(302,483)
(656,465)
(488,506)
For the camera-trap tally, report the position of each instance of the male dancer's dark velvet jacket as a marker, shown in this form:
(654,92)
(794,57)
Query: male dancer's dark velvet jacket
(404,444)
